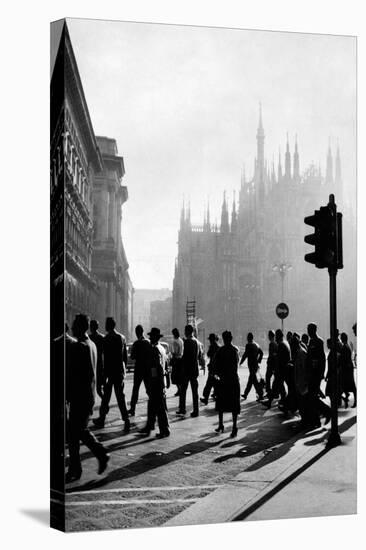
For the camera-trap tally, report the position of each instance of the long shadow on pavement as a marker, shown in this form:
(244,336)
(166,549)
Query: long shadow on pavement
(150,461)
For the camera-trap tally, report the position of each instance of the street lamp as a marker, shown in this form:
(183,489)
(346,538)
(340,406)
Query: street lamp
(253,288)
(282,269)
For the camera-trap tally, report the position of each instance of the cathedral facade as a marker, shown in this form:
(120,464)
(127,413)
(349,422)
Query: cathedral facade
(238,272)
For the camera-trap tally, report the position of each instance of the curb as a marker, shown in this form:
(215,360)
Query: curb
(249,490)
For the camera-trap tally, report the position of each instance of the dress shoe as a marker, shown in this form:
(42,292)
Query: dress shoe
(103,463)
(161,435)
(72,476)
(234,432)
(180,413)
(127,427)
(145,432)
(244,396)
(194,414)
(203,400)
(220,428)
(131,412)
(98,422)
(314,425)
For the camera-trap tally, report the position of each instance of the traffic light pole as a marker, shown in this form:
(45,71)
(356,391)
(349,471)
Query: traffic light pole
(328,253)
(334,437)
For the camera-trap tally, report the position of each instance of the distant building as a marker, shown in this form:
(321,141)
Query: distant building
(109,262)
(142,300)
(232,271)
(161,315)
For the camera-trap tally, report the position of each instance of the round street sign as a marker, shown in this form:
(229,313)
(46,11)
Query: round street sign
(282,310)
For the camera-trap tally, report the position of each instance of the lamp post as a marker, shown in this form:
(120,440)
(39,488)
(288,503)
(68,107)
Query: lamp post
(282,269)
(253,288)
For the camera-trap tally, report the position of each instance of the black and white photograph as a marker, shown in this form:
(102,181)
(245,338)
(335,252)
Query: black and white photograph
(203,272)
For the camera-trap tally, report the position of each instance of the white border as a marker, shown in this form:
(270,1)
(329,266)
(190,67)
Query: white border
(24,271)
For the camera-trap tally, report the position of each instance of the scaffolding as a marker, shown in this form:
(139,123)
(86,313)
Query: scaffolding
(191,312)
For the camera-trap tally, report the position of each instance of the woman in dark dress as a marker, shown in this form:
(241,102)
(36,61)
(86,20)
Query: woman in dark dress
(227,386)
(347,377)
(328,377)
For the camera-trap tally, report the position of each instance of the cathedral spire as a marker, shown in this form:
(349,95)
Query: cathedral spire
(287,162)
(296,163)
(243,177)
(182,215)
(260,175)
(273,173)
(338,173)
(329,169)
(260,124)
(208,215)
(224,216)
(279,167)
(188,215)
(234,217)
(207,223)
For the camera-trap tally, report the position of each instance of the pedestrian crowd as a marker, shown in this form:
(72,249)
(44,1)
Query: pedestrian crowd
(296,366)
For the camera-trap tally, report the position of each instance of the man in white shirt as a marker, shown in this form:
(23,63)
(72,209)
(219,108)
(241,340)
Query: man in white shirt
(176,354)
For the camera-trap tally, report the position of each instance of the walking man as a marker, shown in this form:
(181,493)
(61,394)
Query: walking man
(115,360)
(98,339)
(281,369)
(210,382)
(140,353)
(176,354)
(156,408)
(271,361)
(80,388)
(191,356)
(254,354)
(316,364)
(299,359)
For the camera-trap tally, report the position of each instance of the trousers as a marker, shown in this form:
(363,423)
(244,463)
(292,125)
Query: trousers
(157,409)
(193,381)
(253,381)
(78,431)
(116,382)
(138,378)
(268,377)
(210,383)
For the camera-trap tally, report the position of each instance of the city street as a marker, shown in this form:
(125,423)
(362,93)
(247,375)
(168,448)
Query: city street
(149,481)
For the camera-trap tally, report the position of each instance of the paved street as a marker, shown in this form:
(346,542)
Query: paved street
(149,481)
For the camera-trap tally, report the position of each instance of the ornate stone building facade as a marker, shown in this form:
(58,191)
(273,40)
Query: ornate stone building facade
(109,263)
(240,271)
(89,269)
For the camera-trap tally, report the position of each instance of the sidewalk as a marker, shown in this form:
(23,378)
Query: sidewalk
(326,488)
(300,478)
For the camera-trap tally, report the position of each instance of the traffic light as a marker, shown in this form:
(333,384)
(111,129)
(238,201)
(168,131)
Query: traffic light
(327,238)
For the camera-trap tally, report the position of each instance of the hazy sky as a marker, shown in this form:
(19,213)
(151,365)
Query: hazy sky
(182,103)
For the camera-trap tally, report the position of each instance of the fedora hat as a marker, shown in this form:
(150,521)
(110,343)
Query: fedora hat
(155,332)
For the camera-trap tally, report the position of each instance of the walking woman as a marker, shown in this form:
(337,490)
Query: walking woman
(347,376)
(227,386)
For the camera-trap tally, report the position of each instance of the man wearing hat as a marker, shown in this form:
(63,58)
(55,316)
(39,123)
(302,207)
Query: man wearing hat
(211,352)
(191,355)
(155,387)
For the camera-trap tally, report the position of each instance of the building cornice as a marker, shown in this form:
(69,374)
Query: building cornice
(74,88)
